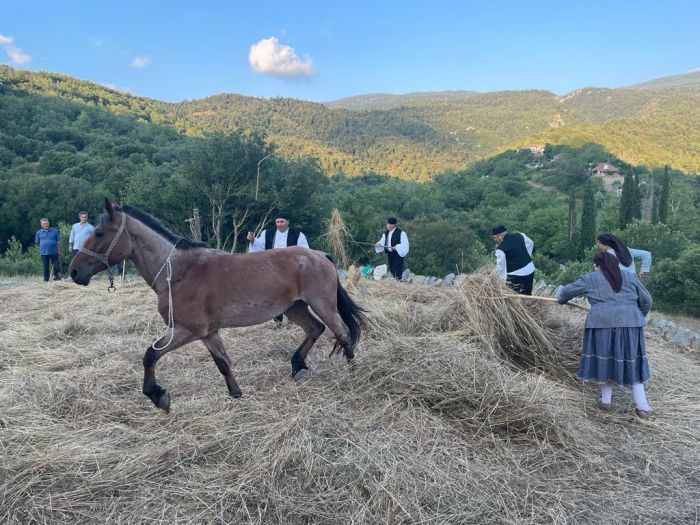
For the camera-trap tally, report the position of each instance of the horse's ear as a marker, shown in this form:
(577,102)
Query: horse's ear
(108,208)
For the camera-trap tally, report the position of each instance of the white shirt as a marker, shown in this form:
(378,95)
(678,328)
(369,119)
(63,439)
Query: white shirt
(501,267)
(79,233)
(401,248)
(280,241)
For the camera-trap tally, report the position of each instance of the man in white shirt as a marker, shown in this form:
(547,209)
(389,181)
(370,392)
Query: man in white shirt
(280,237)
(514,259)
(395,243)
(79,233)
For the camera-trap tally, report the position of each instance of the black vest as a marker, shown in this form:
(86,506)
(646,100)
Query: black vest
(395,239)
(513,246)
(292,237)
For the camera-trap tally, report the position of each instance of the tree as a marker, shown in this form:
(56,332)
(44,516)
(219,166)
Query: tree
(222,168)
(627,199)
(588,219)
(664,198)
(572,231)
(637,203)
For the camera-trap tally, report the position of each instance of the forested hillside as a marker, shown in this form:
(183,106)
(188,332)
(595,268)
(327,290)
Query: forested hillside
(58,157)
(419,135)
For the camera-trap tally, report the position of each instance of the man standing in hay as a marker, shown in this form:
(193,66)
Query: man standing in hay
(395,243)
(281,236)
(514,259)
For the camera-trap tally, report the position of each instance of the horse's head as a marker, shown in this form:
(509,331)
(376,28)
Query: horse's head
(106,246)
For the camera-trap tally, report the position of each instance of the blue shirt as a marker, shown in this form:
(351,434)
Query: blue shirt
(79,234)
(47,240)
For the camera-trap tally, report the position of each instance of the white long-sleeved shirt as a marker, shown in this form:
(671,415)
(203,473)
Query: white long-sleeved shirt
(79,233)
(401,248)
(501,267)
(644,255)
(280,241)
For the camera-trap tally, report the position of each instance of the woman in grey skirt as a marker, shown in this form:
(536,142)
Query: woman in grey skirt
(613,340)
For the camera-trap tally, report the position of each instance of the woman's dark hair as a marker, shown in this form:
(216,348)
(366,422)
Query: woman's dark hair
(621,250)
(610,267)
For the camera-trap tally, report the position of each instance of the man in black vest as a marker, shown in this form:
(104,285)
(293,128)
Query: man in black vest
(395,243)
(514,259)
(279,237)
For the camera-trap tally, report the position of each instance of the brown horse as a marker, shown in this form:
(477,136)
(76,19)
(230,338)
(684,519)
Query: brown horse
(201,290)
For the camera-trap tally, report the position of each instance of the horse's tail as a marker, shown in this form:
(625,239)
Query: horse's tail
(351,314)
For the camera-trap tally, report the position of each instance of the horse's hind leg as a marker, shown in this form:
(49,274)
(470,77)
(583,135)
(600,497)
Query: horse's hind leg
(218,353)
(151,388)
(299,314)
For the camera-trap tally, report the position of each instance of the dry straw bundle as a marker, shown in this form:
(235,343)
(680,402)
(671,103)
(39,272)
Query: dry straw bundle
(458,410)
(336,235)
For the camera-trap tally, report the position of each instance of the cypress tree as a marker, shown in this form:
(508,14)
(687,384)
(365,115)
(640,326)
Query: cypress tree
(665,195)
(572,245)
(637,203)
(588,220)
(627,198)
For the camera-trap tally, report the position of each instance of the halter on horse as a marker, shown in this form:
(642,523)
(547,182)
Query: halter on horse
(204,290)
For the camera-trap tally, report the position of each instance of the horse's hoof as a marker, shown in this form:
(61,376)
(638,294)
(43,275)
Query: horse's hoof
(352,364)
(236,395)
(302,374)
(164,401)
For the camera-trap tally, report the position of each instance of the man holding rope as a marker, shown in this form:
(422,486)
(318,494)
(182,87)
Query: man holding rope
(395,243)
(514,259)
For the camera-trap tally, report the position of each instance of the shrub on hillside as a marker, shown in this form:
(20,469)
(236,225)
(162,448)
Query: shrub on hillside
(17,262)
(675,283)
(659,239)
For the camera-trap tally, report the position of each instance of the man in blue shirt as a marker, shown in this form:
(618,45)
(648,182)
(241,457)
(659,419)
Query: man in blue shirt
(79,233)
(49,242)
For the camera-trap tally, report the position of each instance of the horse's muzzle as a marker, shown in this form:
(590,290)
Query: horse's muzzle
(79,278)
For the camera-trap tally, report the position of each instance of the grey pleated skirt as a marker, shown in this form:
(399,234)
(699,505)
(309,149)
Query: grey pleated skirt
(614,354)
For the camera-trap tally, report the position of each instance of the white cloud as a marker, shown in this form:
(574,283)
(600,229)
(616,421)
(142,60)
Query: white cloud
(269,57)
(17,55)
(141,62)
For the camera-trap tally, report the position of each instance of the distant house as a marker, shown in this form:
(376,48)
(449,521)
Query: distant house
(536,149)
(602,169)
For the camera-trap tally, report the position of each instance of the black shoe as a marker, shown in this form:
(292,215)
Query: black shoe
(57,278)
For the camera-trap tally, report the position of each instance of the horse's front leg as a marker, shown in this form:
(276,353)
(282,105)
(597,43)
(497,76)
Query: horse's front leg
(151,388)
(218,353)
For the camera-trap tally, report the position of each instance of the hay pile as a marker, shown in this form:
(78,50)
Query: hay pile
(459,410)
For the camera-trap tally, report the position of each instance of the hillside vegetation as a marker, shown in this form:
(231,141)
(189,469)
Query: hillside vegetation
(416,136)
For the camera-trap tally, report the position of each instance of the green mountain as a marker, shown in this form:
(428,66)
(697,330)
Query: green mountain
(418,135)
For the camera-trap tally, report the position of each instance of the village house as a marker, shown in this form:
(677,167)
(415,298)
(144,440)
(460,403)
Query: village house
(536,149)
(604,168)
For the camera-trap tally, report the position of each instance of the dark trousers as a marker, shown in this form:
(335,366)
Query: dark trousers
(395,264)
(53,259)
(521,284)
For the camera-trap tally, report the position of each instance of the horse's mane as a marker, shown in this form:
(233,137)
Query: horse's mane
(155,225)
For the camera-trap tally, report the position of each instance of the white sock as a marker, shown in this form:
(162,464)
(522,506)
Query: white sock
(640,398)
(606,392)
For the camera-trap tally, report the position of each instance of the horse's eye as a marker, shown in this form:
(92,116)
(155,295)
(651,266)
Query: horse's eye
(99,234)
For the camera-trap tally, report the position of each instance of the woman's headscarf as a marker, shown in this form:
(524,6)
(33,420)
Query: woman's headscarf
(621,250)
(610,267)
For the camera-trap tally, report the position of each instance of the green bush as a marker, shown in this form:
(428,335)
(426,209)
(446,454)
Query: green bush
(659,239)
(675,283)
(17,262)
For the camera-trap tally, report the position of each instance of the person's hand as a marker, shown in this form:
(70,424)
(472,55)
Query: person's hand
(378,244)
(250,236)
(642,275)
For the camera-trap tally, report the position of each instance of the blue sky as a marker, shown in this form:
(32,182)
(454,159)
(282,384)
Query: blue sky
(320,51)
